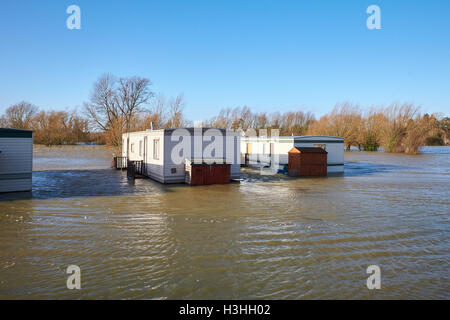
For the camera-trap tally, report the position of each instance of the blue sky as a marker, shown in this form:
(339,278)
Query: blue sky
(268,55)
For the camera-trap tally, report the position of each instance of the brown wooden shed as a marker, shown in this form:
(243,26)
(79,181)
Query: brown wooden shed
(205,173)
(307,161)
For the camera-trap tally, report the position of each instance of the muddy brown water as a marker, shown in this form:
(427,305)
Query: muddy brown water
(270,237)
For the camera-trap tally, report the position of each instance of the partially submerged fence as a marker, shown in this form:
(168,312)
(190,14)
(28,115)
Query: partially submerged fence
(119,163)
(136,169)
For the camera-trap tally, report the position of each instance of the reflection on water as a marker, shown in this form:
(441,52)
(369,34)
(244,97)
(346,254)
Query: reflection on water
(266,237)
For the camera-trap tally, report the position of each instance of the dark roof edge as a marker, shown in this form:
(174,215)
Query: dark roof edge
(15,133)
(310,150)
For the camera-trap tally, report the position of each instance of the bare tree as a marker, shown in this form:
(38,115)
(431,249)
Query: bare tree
(3,122)
(102,109)
(133,94)
(176,119)
(114,103)
(444,127)
(396,126)
(246,118)
(20,115)
(158,114)
(370,130)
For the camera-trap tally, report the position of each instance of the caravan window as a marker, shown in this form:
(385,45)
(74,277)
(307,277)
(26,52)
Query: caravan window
(132,147)
(140,148)
(156,149)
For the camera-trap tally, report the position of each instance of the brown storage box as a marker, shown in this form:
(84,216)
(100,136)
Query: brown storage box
(307,162)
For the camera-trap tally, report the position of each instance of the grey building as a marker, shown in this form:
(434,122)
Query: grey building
(16,160)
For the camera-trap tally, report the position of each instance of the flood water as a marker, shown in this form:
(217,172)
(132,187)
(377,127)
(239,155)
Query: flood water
(268,237)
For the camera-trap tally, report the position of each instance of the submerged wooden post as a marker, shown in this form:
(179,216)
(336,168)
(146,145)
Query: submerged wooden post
(131,170)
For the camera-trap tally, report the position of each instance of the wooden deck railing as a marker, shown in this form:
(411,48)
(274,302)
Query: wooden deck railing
(119,163)
(136,169)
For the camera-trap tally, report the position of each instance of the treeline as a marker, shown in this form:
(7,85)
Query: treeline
(116,105)
(50,127)
(395,128)
(289,123)
(119,105)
